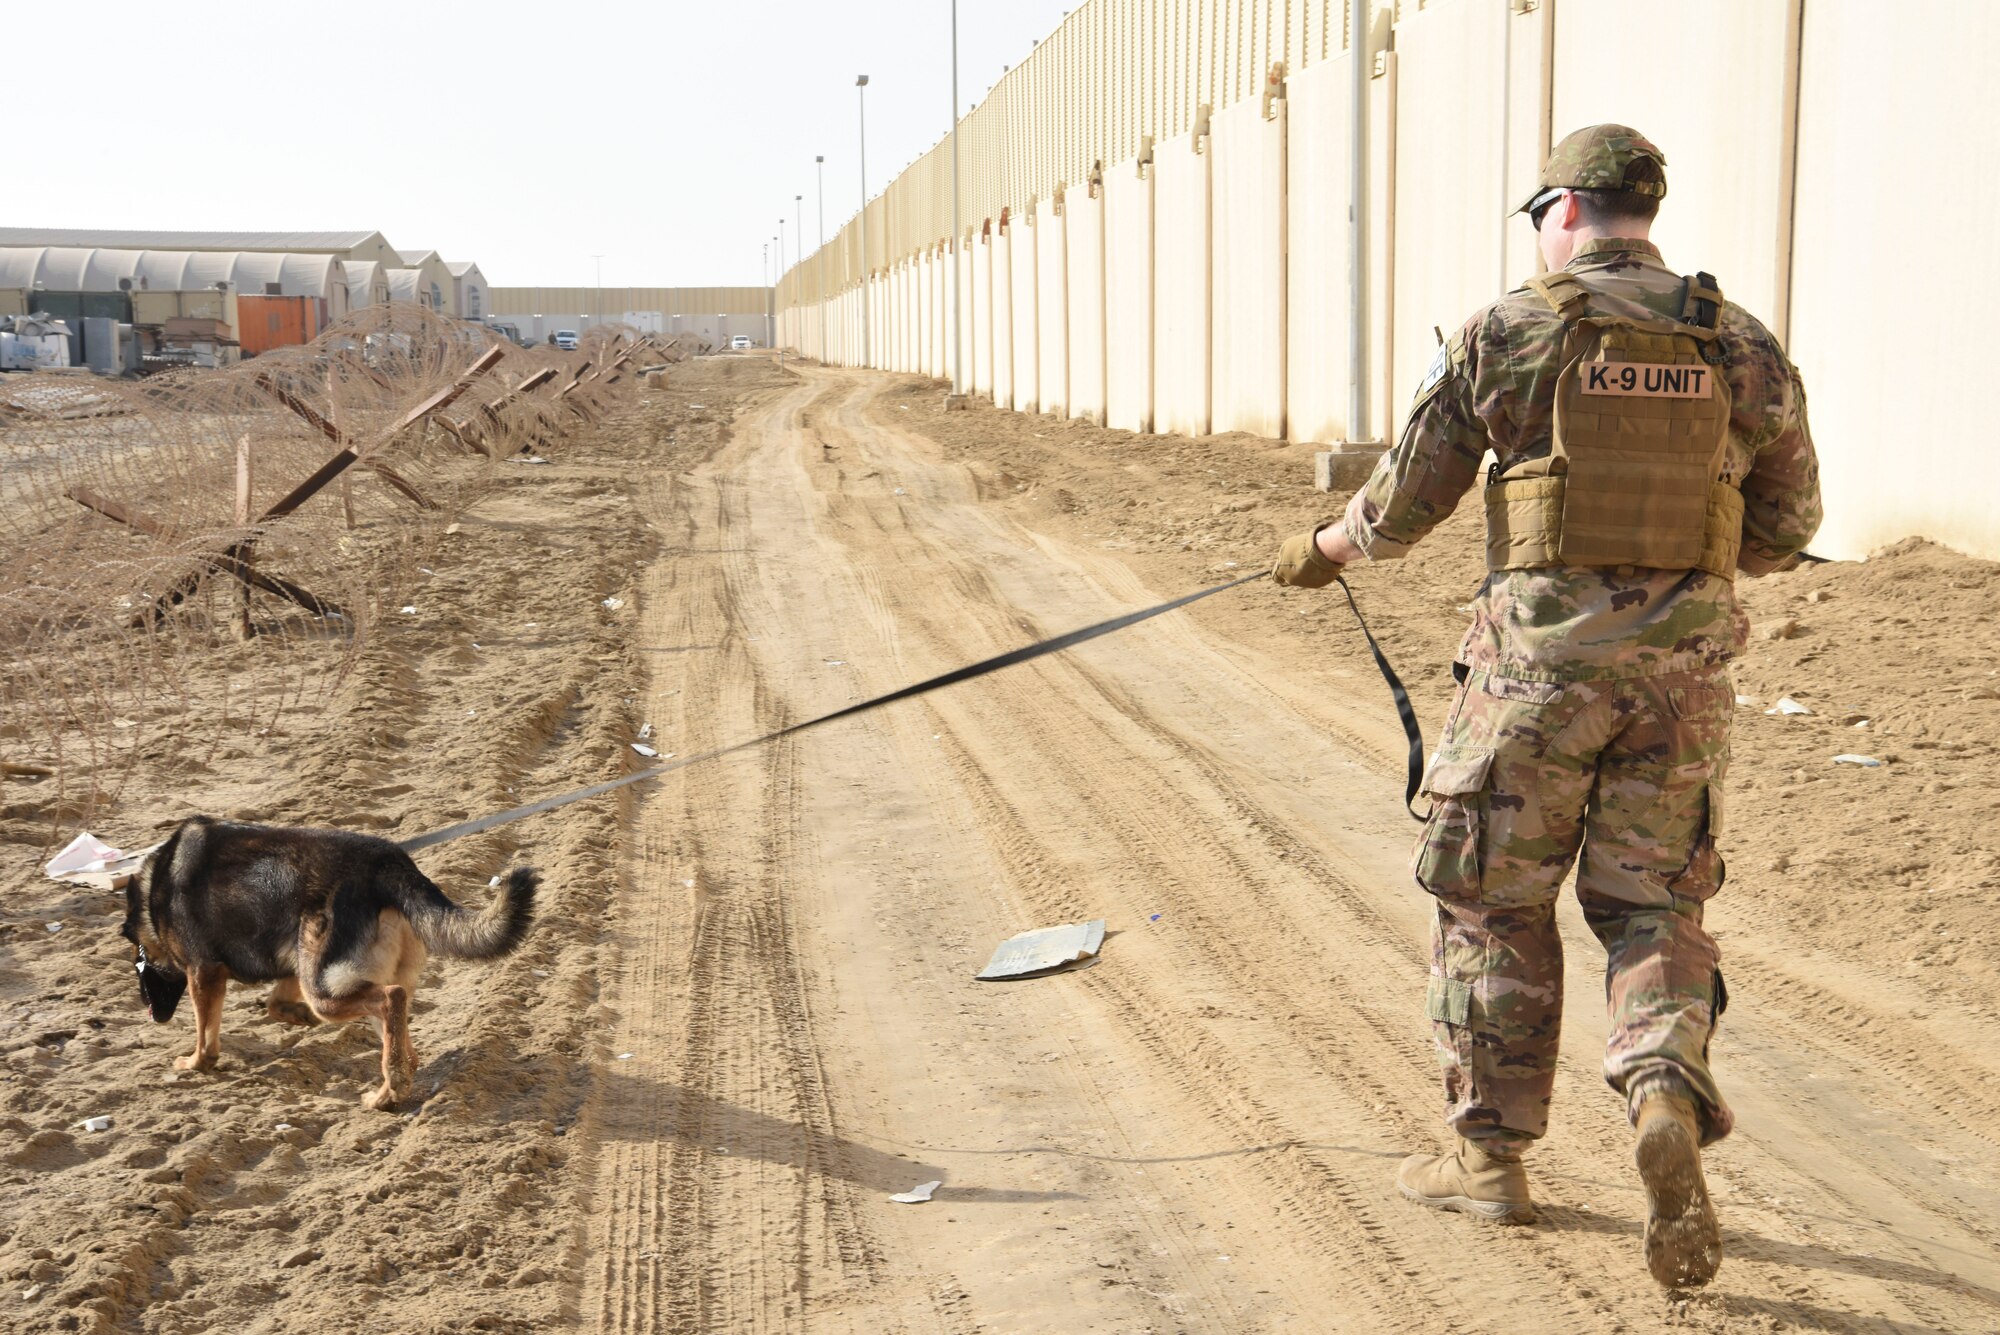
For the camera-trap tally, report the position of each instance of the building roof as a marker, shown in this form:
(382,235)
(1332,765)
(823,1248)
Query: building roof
(460,268)
(94,269)
(414,259)
(289,242)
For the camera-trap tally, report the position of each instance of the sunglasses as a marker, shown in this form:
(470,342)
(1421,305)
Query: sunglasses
(1538,208)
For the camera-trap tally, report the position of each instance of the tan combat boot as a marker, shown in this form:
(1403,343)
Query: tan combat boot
(1683,1241)
(1483,1184)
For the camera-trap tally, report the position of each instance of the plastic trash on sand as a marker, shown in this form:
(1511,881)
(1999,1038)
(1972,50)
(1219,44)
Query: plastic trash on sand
(1787,705)
(95,1124)
(88,860)
(916,1195)
(644,750)
(1044,950)
(1849,759)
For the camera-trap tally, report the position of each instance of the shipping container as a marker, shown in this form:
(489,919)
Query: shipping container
(263,323)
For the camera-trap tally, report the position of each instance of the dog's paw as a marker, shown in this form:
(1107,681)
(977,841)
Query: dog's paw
(291,1012)
(382,1098)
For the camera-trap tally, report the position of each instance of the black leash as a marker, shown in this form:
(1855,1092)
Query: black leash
(979,669)
(1404,710)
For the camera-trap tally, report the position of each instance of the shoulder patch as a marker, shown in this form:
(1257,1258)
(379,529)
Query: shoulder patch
(1439,365)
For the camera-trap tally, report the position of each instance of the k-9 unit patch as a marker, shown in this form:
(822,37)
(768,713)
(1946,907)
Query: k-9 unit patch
(1651,380)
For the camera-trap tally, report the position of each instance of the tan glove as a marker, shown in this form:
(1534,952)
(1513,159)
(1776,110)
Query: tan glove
(1300,563)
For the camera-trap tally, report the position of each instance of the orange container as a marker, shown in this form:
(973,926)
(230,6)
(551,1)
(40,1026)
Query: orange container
(263,323)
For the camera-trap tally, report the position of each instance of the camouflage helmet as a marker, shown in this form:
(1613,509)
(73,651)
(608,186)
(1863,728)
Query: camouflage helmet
(1599,157)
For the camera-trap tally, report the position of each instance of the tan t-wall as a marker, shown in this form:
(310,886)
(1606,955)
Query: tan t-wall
(1822,163)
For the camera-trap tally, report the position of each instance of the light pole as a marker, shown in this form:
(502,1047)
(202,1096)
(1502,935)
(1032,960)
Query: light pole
(957,240)
(819,259)
(861,85)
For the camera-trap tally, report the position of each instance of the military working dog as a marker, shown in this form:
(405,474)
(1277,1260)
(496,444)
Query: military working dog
(341,922)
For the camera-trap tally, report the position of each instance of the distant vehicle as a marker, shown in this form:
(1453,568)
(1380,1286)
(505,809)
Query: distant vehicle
(566,339)
(739,342)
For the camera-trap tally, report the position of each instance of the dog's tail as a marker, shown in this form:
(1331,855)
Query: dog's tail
(449,930)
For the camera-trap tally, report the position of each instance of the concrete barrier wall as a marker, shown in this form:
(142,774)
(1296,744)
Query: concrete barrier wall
(1051,306)
(1248,153)
(981,347)
(1211,288)
(1181,324)
(1083,259)
(1128,298)
(1885,329)
(965,352)
(1024,258)
(1003,316)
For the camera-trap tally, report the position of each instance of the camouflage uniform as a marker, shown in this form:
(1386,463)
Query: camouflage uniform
(1592,717)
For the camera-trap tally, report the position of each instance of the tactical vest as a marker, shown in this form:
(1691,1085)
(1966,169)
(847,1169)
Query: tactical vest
(1634,475)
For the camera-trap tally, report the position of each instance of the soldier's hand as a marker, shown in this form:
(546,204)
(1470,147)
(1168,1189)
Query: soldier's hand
(1302,565)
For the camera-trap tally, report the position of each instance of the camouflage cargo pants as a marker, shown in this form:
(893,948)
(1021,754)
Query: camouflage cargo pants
(1628,773)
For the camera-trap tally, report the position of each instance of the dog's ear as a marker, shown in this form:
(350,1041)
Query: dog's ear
(135,901)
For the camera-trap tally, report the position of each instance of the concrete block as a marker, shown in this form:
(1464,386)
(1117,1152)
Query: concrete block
(1345,467)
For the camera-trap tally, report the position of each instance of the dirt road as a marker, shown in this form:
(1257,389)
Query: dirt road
(1198,1133)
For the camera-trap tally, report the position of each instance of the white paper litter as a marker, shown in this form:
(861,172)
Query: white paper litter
(1746,699)
(410,611)
(901,492)
(1045,949)
(916,1195)
(86,852)
(644,750)
(835,662)
(90,861)
(645,732)
(624,1056)
(1870,761)
(1787,705)
(53,926)
(32,1292)
(495,881)
(283,1127)
(613,604)
(95,1124)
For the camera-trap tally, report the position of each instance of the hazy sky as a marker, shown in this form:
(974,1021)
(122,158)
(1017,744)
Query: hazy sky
(668,137)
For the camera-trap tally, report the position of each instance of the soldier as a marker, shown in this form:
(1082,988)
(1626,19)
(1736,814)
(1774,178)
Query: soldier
(1650,442)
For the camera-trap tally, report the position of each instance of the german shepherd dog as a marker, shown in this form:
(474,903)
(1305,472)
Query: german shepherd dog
(341,922)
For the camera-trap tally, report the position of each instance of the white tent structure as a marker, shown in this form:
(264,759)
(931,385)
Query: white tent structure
(367,284)
(468,290)
(407,285)
(248,273)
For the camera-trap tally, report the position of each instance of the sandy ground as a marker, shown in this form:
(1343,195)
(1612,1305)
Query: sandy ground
(748,1016)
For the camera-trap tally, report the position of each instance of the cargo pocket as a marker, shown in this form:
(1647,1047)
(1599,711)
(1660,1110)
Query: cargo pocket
(1449,1001)
(1447,859)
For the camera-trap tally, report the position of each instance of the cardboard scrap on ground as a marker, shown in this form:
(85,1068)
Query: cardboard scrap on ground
(90,861)
(1045,950)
